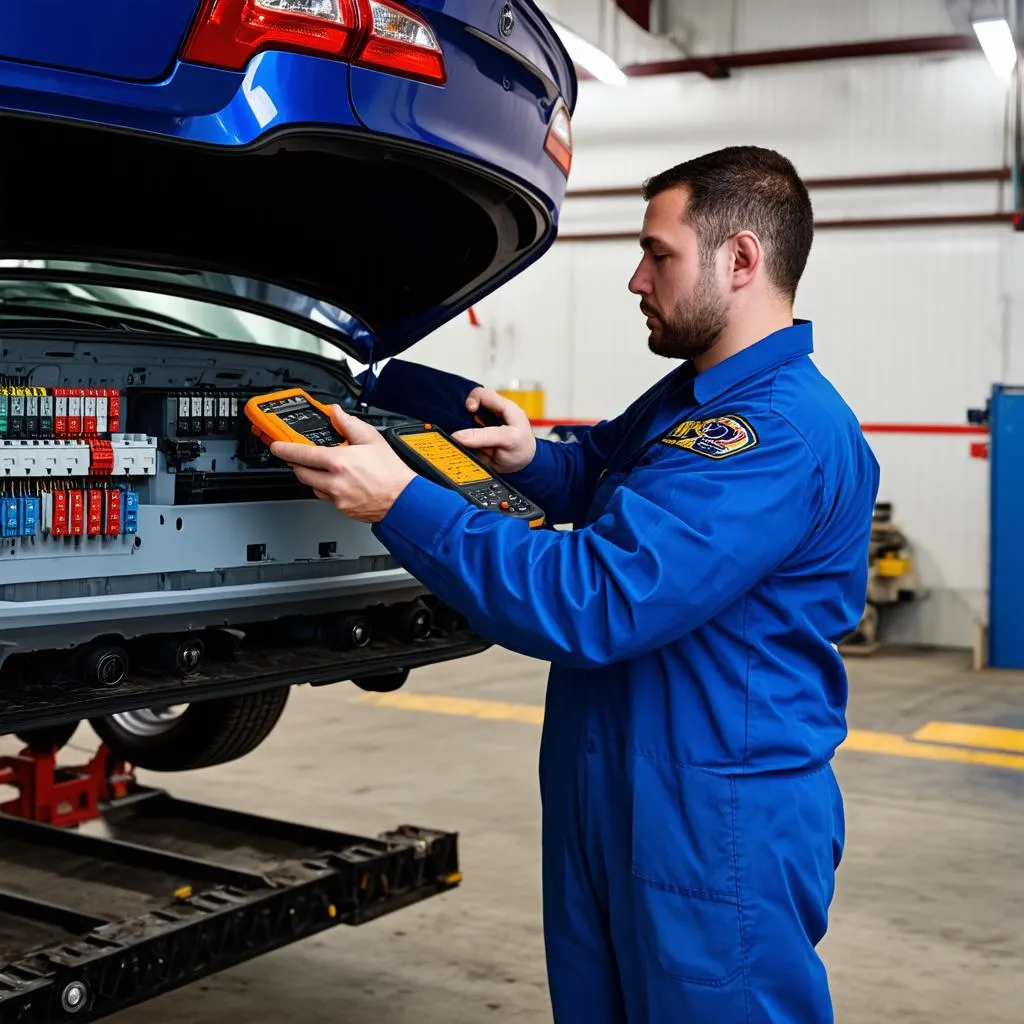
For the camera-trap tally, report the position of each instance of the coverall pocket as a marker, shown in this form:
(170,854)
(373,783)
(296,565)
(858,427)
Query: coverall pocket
(684,872)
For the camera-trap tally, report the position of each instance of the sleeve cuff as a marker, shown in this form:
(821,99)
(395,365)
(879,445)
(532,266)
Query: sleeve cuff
(538,473)
(423,511)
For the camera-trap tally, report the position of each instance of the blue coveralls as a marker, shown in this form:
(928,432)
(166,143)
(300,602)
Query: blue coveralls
(692,824)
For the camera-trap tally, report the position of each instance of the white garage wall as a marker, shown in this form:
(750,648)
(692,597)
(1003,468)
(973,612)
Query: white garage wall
(913,325)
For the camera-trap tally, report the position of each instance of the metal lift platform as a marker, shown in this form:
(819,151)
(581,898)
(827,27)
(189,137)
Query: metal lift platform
(112,893)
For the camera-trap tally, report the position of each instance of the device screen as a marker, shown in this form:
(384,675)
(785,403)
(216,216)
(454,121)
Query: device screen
(303,418)
(446,458)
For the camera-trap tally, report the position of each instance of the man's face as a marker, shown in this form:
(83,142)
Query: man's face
(685,306)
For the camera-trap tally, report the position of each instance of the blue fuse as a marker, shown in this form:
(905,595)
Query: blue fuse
(28,513)
(9,517)
(130,512)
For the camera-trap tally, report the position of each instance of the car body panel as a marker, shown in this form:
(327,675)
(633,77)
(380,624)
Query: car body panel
(114,38)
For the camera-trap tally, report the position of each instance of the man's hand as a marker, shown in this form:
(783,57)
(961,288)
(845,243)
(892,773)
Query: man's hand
(363,479)
(505,449)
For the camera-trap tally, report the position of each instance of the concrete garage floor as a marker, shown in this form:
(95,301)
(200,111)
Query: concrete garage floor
(928,924)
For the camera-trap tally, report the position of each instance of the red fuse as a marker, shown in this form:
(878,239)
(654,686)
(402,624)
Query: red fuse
(114,411)
(89,412)
(76,513)
(94,523)
(75,400)
(60,412)
(112,526)
(101,458)
(59,527)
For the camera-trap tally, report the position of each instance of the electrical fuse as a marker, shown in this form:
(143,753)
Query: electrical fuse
(89,413)
(46,416)
(209,415)
(223,414)
(76,513)
(101,458)
(94,513)
(4,409)
(60,412)
(9,517)
(28,512)
(59,514)
(112,519)
(102,411)
(16,424)
(197,416)
(113,410)
(32,416)
(75,400)
(130,516)
(183,420)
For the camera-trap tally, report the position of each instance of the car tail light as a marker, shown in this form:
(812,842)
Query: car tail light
(401,42)
(229,32)
(559,140)
(378,34)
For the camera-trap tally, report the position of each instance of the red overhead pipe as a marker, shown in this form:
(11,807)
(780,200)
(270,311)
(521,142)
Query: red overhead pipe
(996,174)
(719,66)
(638,10)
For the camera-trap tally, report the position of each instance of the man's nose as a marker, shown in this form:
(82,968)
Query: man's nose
(638,283)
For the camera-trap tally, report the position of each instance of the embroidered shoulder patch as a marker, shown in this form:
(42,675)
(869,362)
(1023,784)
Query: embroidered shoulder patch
(717,438)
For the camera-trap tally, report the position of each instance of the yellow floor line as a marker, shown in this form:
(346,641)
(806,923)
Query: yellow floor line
(858,740)
(527,714)
(961,734)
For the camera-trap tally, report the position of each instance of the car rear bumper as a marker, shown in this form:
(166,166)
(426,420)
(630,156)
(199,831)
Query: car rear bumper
(27,626)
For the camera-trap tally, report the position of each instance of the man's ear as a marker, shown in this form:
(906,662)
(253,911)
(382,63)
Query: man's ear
(746,258)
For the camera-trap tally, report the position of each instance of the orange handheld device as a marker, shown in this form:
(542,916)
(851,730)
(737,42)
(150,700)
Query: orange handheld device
(292,415)
(433,454)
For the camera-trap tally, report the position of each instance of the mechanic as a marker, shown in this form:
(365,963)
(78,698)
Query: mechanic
(692,824)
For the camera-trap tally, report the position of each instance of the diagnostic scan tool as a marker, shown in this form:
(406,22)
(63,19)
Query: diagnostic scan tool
(294,416)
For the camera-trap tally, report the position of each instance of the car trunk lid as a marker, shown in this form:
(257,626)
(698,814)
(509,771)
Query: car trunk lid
(368,244)
(117,38)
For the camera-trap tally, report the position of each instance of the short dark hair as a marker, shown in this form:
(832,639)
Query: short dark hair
(746,188)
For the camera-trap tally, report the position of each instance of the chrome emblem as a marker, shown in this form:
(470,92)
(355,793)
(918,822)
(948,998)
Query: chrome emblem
(507,21)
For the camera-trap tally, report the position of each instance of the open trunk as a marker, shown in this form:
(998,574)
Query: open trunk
(396,237)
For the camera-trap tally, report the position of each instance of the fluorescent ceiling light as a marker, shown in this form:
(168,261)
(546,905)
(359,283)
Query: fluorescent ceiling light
(997,41)
(589,57)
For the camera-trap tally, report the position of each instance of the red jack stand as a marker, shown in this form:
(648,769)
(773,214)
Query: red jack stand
(59,796)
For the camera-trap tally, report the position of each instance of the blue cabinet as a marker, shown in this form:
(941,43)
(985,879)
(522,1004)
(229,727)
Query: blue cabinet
(1006,553)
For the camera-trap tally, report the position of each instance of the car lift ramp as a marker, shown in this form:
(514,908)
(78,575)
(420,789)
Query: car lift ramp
(148,893)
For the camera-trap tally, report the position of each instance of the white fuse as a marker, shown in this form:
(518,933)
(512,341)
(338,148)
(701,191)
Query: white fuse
(102,411)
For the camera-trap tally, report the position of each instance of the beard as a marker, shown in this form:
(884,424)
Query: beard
(693,327)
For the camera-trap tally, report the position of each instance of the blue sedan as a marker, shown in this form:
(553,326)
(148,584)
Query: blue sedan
(201,202)
(395,162)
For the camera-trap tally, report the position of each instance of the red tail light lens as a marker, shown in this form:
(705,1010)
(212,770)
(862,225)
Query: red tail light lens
(378,34)
(402,43)
(228,33)
(558,143)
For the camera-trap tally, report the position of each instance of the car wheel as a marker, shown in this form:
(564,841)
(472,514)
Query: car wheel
(49,739)
(191,736)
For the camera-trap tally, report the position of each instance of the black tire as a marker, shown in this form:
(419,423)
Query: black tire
(206,734)
(49,738)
